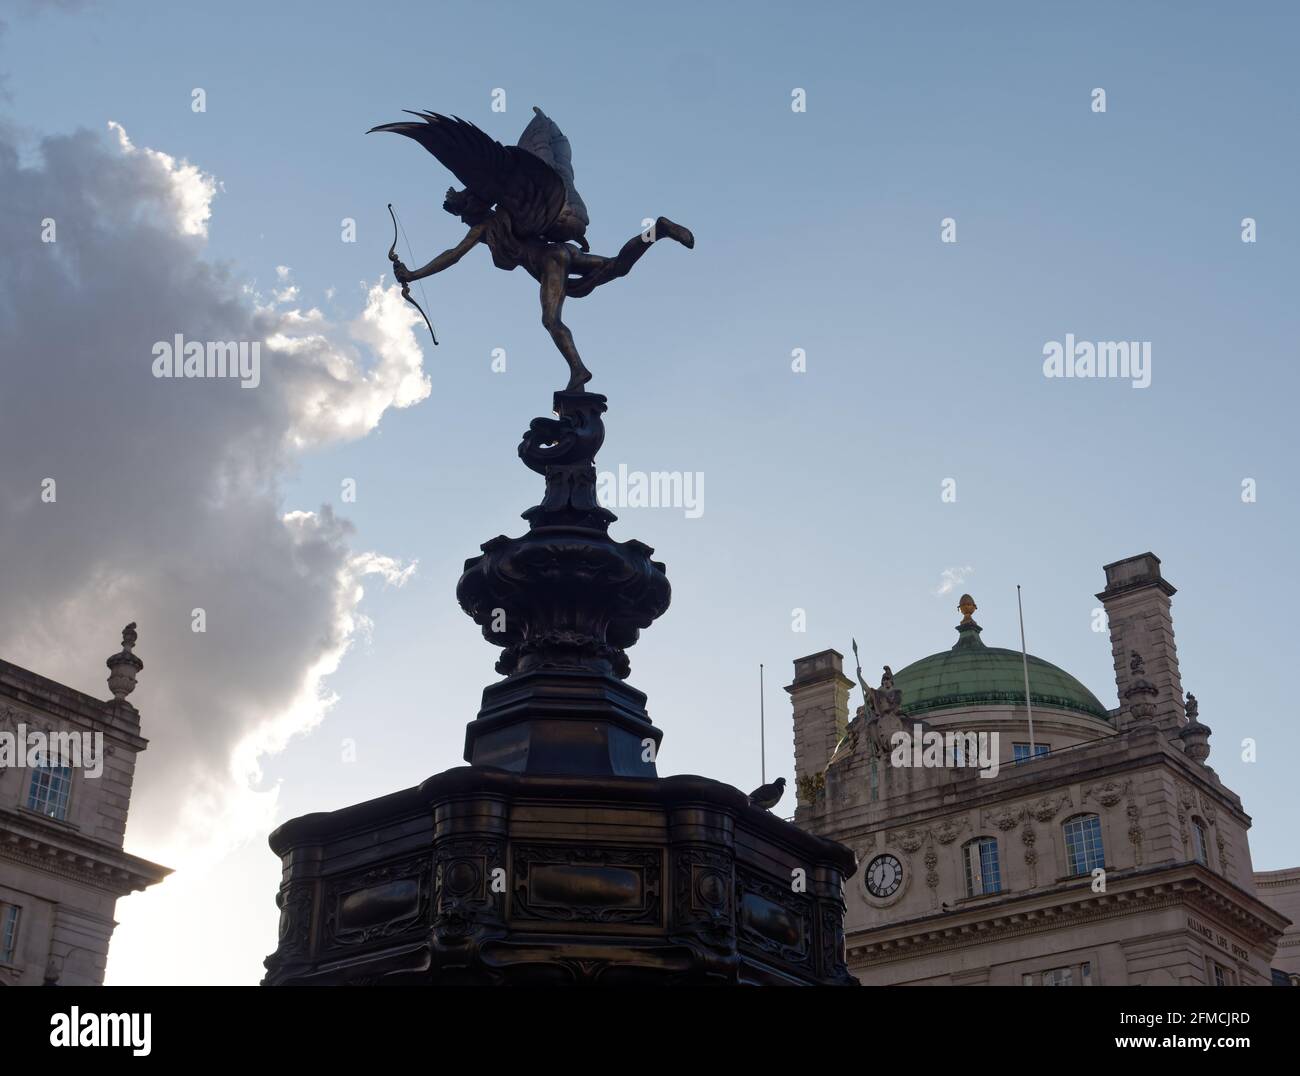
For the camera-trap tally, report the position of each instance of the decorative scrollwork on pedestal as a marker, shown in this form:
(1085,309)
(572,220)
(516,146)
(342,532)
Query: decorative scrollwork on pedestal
(295,902)
(703,898)
(565,595)
(382,902)
(466,904)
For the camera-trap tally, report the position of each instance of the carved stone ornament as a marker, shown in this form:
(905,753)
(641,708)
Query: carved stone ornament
(1107,793)
(947,831)
(1135,833)
(124,666)
(909,840)
(1140,695)
(1028,837)
(1046,808)
(1005,818)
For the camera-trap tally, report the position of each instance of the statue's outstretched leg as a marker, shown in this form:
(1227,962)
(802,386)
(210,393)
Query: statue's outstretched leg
(596,270)
(555,271)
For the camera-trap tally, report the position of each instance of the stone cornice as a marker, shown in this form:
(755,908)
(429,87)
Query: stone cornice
(26,839)
(46,721)
(1279,879)
(119,721)
(1069,906)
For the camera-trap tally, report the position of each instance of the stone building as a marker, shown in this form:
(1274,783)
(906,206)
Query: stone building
(1100,848)
(1282,890)
(67,761)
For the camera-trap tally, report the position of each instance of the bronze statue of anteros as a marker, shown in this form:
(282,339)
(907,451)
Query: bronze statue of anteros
(521,203)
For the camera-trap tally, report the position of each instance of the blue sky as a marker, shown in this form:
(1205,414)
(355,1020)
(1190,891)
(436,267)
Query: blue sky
(817,230)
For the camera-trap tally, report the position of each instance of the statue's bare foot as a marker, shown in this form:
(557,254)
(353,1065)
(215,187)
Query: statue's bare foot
(579,376)
(665,227)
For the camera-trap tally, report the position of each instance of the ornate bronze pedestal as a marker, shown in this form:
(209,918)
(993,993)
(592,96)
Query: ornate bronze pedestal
(558,856)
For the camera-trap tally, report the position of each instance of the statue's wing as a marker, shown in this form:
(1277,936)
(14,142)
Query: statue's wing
(524,183)
(543,138)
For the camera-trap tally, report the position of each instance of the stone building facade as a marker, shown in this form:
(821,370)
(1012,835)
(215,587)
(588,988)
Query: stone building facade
(1282,890)
(1101,849)
(67,761)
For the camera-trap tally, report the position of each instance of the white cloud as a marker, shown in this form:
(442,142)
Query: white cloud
(169,499)
(189,192)
(951,578)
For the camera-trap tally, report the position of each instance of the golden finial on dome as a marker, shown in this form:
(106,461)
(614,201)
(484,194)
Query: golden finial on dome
(966,606)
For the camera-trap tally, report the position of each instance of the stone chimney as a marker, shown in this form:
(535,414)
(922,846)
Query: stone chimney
(820,697)
(1142,645)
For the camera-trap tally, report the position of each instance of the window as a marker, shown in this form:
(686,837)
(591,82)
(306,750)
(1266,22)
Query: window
(1200,846)
(49,790)
(1073,975)
(982,871)
(1021,751)
(1083,849)
(8,933)
(1219,974)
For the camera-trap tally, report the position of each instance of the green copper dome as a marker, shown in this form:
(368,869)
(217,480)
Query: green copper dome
(972,674)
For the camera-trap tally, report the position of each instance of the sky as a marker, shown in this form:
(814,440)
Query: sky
(816,151)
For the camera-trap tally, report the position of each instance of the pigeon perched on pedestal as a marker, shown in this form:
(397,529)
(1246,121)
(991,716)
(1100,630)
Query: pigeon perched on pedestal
(769,795)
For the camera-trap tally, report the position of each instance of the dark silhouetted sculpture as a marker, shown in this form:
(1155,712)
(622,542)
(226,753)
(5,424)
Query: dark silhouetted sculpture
(520,202)
(558,856)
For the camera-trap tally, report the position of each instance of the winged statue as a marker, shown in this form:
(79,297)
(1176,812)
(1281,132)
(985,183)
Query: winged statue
(520,202)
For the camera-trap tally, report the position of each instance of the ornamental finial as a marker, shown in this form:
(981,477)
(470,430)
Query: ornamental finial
(123,666)
(967,606)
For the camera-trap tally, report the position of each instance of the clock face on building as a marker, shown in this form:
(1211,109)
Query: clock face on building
(884,876)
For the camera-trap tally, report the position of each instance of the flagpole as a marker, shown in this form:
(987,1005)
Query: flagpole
(1024,660)
(762,725)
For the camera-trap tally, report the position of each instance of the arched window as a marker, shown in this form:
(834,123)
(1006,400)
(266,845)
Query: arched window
(1200,845)
(1083,849)
(983,873)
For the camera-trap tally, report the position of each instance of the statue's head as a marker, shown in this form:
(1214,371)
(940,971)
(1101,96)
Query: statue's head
(469,207)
